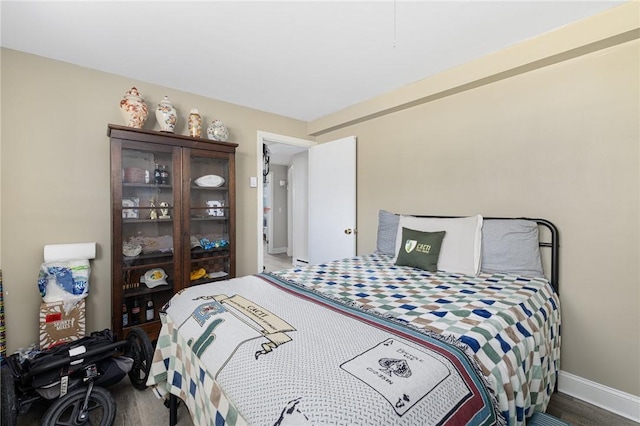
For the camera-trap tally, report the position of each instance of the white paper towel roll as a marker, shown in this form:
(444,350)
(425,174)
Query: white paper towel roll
(69,251)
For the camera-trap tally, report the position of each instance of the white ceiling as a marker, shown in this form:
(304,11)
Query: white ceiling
(300,59)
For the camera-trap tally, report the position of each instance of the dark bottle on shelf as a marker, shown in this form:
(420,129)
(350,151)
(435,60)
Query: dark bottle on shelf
(157,175)
(125,316)
(150,311)
(135,312)
(164,175)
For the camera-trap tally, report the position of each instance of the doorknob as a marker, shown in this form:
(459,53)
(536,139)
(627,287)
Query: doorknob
(349,231)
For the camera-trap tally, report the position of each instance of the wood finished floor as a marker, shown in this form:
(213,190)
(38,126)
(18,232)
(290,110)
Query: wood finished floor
(276,262)
(142,408)
(580,413)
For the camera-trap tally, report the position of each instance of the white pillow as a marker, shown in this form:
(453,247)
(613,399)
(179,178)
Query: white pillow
(462,245)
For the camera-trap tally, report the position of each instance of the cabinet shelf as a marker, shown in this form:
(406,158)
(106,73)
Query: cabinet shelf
(209,188)
(166,243)
(147,266)
(152,255)
(147,261)
(220,252)
(136,221)
(209,218)
(146,185)
(144,290)
(208,280)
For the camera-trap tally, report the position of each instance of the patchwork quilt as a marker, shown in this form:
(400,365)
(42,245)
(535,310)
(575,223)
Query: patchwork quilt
(266,350)
(512,324)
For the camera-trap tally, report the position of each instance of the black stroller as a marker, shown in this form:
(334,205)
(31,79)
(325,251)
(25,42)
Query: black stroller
(74,375)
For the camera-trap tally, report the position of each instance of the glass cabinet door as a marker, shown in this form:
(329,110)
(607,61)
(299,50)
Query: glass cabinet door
(208,216)
(172,219)
(148,231)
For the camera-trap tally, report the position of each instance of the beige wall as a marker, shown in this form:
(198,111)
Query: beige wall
(559,142)
(55,174)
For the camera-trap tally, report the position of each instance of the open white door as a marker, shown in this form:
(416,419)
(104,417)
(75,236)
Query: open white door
(332,200)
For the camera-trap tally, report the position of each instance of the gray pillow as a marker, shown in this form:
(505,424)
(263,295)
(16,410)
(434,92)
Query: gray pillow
(387,231)
(511,246)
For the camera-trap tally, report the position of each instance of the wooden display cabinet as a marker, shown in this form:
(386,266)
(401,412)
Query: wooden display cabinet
(173,213)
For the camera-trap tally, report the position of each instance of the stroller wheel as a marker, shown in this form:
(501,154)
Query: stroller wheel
(66,410)
(9,402)
(140,349)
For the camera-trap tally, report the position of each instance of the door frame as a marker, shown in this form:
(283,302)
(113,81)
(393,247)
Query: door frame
(264,137)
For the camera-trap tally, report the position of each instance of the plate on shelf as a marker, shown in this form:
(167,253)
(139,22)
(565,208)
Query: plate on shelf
(210,181)
(218,274)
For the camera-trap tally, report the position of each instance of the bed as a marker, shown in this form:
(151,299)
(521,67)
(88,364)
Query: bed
(449,321)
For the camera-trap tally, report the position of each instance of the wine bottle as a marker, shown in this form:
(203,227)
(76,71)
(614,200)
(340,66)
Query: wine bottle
(157,175)
(135,312)
(164,175)
(150,311)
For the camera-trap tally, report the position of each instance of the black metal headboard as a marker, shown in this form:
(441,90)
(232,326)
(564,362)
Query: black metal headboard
(553,244)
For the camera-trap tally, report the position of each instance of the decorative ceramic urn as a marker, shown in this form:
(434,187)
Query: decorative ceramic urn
(195,124)
(134,109)
(217,131)
(166,115)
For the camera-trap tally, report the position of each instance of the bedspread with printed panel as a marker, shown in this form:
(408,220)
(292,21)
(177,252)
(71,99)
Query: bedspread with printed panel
(512,324)
(261,350)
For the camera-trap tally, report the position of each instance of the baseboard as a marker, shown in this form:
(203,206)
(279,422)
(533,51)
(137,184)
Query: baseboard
(278,250)
(622,403)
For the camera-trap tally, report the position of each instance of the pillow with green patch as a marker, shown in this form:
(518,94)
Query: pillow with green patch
(420,249)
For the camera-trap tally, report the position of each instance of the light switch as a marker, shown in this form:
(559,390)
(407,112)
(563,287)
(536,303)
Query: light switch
(253,182)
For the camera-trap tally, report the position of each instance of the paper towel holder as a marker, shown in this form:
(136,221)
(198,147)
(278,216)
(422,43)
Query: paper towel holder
(54,252)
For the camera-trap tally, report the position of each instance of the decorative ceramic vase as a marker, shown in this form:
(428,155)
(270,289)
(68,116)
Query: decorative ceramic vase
(166,115)
(217,131)
(134,109)
(195,124)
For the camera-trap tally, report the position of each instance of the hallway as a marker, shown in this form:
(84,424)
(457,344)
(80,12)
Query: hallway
(276,262)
